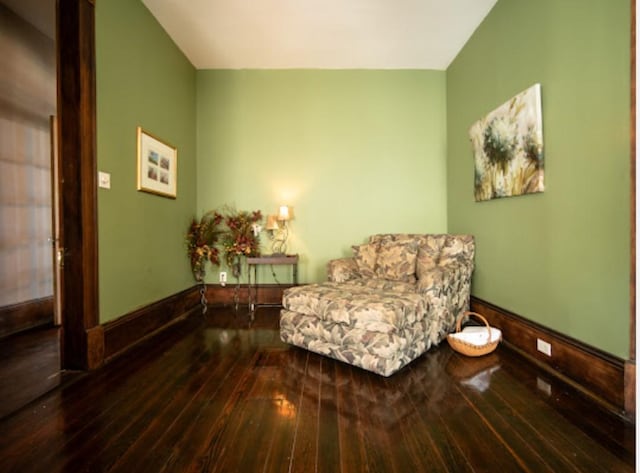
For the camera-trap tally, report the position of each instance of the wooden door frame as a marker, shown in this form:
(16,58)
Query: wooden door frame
(630,365)
(82,335)
(55,221)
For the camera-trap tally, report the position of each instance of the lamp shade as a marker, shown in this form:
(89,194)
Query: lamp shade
(283,213)
(272,223)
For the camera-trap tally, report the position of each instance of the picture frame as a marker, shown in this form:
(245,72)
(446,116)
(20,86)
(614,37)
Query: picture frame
(157,165)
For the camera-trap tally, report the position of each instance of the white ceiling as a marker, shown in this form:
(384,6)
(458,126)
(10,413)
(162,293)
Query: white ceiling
(326,34)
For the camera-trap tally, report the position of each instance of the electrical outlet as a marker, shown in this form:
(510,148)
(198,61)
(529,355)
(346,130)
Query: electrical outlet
(543,386)
(544,347)
(223,277)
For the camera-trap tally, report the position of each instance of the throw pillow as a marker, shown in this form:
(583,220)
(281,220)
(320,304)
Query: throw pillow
(397,260)
(366,256)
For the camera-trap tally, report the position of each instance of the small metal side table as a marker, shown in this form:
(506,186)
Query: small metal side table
(254,262)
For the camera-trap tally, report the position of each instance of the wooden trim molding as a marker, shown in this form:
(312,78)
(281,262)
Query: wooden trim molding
(630,389)
(133,327)
(25,315)
(632,286)
(95,347)
(218,295)
(594,372)
(630,367)
(78,174)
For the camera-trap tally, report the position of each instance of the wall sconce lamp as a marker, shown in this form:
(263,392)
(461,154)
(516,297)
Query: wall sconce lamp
(278,231)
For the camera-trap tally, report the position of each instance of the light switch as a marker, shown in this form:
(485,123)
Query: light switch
(104,180)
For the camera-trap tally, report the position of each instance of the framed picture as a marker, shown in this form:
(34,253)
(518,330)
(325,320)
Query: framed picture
(157,165)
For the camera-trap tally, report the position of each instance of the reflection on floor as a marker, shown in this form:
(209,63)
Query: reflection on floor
(217,393)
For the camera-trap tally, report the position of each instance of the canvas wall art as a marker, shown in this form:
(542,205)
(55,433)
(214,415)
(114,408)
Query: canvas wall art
(508,148)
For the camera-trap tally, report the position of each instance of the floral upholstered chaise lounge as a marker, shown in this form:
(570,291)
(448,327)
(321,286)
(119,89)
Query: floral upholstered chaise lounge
(398,296)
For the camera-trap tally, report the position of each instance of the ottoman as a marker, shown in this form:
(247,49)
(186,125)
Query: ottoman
(375,324)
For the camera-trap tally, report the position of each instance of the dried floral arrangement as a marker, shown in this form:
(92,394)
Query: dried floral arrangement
(231,232)
(242,237)
(201,242)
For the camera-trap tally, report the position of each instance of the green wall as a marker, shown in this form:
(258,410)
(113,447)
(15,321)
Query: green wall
(354,152)
(561,258)
(142,80)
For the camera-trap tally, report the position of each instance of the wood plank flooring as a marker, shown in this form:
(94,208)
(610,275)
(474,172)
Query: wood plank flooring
(29,367)
(214,394)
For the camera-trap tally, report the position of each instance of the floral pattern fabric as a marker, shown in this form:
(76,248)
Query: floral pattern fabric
(377,305)
(397,260)
(382,353)
(380,324)
(366,257)
(429,254)
(342,270)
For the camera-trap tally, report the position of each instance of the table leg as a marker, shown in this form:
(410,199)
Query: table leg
(253,290)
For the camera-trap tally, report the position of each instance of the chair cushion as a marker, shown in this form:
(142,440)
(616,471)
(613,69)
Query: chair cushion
(374,305)
(397,260)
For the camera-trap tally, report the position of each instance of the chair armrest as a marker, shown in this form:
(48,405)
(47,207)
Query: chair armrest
(445,278)
(447,289)
(342,269)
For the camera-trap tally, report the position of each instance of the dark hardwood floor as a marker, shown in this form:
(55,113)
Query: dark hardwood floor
(213,394)
(29,367)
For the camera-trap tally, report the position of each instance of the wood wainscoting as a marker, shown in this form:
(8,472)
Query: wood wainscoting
(218,295)
(594,372)
(135,326)
(26,315)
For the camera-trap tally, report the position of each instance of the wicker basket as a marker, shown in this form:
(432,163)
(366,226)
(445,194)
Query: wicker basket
(474,349)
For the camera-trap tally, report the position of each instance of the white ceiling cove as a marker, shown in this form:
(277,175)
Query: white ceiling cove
(322,34)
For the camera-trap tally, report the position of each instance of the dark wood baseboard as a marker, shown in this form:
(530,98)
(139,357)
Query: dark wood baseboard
(131,328)
(218,295)
(95,347)
(594,372)
(26,315)
(630,388)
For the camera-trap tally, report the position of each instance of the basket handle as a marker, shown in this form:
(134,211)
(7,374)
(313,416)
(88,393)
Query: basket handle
(475,314)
